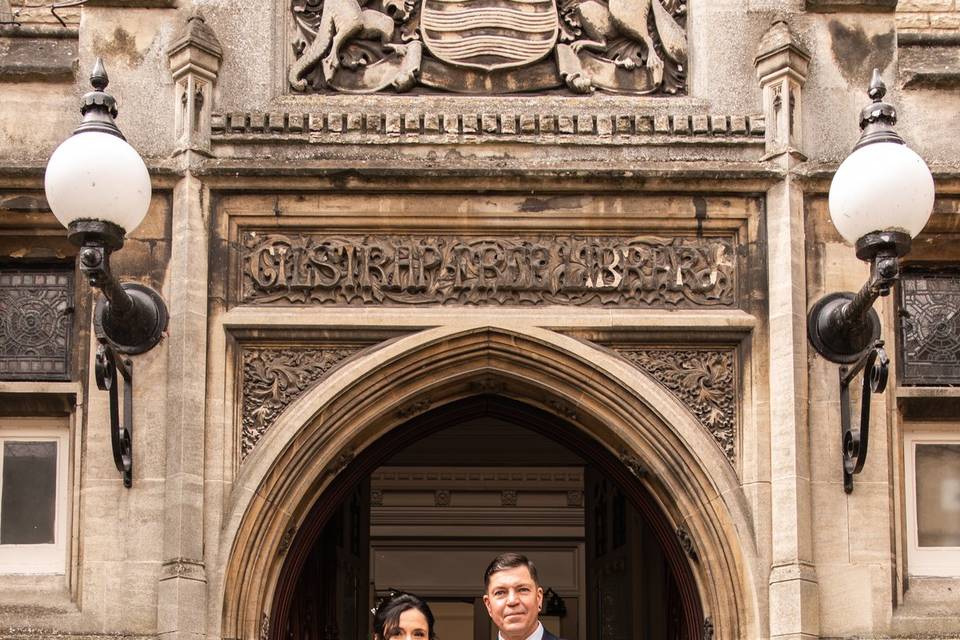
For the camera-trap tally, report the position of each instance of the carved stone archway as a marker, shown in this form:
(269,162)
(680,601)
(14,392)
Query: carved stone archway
(663,452)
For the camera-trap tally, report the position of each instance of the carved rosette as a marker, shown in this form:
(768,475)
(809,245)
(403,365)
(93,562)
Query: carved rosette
(304,268)
(703,379)
(272,378)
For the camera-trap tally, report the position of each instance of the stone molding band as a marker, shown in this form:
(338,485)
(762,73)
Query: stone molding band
(352,127)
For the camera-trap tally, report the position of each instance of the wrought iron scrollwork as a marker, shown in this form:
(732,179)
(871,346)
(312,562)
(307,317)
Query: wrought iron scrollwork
(121,434)
(873,364)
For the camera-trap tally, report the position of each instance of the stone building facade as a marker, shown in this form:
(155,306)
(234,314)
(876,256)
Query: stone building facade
(446,278)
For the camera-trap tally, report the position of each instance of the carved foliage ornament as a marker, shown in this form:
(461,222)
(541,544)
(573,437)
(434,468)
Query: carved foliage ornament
(703,379)
(489,46)
(275,377)
(574,270)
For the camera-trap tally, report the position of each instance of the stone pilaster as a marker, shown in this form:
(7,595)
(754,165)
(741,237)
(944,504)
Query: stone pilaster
(182,590)
(194,61)
(194,56)
(793,591)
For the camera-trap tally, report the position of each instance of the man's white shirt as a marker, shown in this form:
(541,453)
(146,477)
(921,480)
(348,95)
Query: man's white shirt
(536,635)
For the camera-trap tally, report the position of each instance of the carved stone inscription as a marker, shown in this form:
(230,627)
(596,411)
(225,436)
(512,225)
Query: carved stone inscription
(570,270)
(275,377)
(703,379)
(489,46)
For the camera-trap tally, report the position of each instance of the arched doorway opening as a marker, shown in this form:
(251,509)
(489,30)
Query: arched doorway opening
(637,582)
(318,447)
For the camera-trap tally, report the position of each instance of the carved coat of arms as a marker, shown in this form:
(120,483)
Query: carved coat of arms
(489,46)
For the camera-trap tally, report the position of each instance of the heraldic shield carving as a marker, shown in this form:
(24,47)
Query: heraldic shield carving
(489,46)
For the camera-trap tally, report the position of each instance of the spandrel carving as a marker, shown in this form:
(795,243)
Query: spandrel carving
(303,268)
(489,46)
(272,378)
(703,379)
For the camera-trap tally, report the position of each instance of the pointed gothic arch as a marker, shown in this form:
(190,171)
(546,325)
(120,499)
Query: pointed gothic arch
(671,466)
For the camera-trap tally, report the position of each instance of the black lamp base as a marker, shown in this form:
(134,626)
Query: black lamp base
(128,337)
(842,345)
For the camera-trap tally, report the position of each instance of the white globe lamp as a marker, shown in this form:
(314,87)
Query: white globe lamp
(98,187)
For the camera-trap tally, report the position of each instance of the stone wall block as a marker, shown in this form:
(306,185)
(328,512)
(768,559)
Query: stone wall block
(411,123)
(718,124)
(785,618)
(548,123)
(431,123)
(373,122)
(450,122)
(470,123)
(528,123)
(316,122)
(845,600)
(181,608)
(945,20)
(508,124)
(258,121)
(869,505)
(586,123)
(623,124)
(143,537)
(647,124)
(681,125)
(335,122)
(661,124)
(912,20)
(909,6)
(238,121)
(738,124)
(136,612)
(183,525)
(295,122)
(700,124)
(831,539)
(354,122)
(489,122)
(566,124)
(393,124)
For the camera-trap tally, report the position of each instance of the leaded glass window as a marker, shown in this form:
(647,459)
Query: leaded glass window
(930,328)
(36,307)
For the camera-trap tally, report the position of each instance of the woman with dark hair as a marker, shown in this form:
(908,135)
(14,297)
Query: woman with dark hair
(402,616)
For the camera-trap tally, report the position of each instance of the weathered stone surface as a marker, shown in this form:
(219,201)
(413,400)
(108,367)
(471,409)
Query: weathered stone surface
(839,6)
(46,59)
(926,64)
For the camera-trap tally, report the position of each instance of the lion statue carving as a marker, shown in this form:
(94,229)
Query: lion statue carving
(341,21)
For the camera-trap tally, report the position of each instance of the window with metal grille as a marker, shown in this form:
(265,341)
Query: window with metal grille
(929,328)
(36,322)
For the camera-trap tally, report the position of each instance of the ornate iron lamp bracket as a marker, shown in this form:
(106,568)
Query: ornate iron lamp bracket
(121,434)
(873,365)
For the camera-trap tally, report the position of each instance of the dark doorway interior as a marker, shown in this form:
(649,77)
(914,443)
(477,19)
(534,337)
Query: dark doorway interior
(389,526)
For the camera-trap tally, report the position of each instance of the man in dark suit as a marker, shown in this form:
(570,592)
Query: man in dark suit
(514,598)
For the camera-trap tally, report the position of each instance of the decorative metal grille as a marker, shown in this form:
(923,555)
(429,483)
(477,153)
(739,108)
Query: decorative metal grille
(930,328)
(36,307)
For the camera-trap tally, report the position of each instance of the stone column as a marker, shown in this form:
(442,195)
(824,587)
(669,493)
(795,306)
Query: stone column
(181,608)
(782,66)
